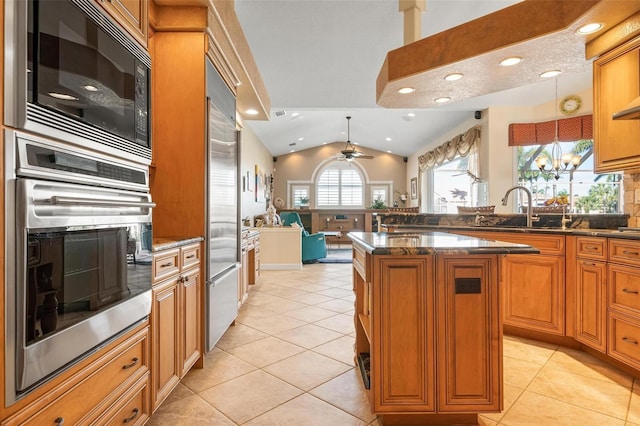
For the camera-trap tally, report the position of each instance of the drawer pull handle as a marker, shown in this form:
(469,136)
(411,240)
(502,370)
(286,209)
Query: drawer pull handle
(191,256)
(626,290)
(591,247)
(630,340)
(588,264)
(134,361)
(59,421)
(166,265)
(133,416)
(632,253)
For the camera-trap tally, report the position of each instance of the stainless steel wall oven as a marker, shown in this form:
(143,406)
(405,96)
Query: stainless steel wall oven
(73,74)
(78,261)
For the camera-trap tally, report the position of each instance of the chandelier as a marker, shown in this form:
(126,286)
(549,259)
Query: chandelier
(559,162)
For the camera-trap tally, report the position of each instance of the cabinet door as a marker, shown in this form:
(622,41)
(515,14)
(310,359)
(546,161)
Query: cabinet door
(131,14)
(615,84)
(534,292)
(243,282)
(591,304)
(402,341)
(190,336)
(469,334)
(165,331)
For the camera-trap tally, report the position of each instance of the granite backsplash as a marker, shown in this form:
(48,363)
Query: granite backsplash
(578,221)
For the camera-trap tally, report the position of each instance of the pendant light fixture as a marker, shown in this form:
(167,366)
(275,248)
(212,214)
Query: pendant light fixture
(559,162)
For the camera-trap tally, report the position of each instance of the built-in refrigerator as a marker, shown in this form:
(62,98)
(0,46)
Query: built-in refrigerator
(223,215)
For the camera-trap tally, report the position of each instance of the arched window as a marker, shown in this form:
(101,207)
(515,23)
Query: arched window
(340,185)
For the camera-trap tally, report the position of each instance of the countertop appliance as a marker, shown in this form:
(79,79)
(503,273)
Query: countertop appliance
(73,74)
(223,215)
(76,226)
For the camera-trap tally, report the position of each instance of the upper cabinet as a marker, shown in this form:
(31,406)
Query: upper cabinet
(131,14)
(616,83)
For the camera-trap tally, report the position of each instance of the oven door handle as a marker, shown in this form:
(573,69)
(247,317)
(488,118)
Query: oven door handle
(72,201)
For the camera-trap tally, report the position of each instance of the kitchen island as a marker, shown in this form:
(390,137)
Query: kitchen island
(428,325)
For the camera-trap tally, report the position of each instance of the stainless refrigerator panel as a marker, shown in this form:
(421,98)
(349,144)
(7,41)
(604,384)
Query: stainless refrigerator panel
(222,184)
(222,304)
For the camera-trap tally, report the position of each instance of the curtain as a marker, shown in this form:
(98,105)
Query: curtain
(460,146)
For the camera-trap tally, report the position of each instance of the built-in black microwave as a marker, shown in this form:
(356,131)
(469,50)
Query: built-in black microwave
(74,74)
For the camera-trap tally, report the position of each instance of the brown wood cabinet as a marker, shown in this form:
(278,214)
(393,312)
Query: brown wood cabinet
(591,292)
(250,261)
(113,385)
(132,15)
(176,330)
(616,84)
(421,361)
(533,286)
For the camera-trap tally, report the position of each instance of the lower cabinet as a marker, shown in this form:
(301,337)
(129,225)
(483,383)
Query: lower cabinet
(431,349)
(176,332)
(111,388)
(533,291)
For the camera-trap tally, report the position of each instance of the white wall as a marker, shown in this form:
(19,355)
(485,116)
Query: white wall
(497,158)
(252,153)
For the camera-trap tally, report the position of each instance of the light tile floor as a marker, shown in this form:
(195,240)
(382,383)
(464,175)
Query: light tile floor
(289,361)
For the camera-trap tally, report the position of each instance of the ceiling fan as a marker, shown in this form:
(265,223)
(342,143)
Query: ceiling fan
(349,153)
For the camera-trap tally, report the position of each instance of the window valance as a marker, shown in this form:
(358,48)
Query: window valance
(569,130)
(461,145)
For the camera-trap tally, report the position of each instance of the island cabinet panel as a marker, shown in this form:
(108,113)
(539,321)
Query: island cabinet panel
(591,303)
(534,292)
(469,335)
(402,360)
(616,84)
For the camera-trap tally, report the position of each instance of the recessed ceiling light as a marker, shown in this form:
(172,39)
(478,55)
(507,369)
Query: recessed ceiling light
(590,28)
(295,114)
(387,139)
(550,73)
(406,90)
(442,100)
(252,111)
(90,88)
(63,96)
(511,61)
(293,150)
(411,114)
(453,77)
(389,152)
(300,139)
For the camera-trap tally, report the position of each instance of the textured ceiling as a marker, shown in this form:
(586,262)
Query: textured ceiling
(321,59)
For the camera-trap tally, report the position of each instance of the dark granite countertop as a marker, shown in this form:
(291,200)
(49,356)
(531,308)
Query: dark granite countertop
(164,243)
(610,233)
(430,243)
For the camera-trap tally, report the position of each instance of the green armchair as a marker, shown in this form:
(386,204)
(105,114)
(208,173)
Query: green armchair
(314,246)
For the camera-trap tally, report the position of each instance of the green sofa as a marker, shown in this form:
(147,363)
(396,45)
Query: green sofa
(314,246)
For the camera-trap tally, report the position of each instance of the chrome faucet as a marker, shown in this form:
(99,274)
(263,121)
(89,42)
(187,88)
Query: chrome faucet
(530,218)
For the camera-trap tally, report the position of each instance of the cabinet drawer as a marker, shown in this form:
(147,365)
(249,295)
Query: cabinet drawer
(165,264)
(624,251)
(547,244)
(624,339)
(624,288)
(132,409)
(190,256)
(75,406)
(591,248)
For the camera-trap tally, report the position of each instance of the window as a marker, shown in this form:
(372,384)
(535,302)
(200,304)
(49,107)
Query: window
(300,195)
(584,190)
(339,185)
(379,193)
(455,186)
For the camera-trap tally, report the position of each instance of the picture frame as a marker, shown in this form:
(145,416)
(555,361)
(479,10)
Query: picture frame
(414,188)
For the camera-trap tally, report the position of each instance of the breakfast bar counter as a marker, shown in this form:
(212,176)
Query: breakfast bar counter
(428,325)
